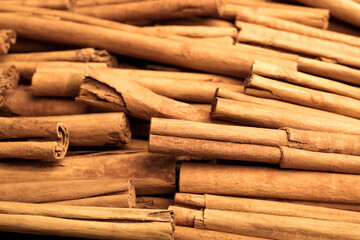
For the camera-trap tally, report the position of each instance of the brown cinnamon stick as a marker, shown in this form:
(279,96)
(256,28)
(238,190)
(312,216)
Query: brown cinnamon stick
(7,38)
(197,21)
(11,74)
(52,191)
(272,183)
(305,96)
(28,139)
(151,173)
(88,222)
(85,3)
(55,4)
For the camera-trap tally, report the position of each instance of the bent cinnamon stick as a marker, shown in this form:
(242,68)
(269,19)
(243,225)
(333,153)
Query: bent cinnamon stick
(28,139)
(7,38)
(52,191)
(239,181)
(88,222)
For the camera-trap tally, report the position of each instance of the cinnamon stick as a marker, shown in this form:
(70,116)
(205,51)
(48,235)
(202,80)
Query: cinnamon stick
(305,96)
(54,4)
(197,21)
(7,38)
(11,74)
(88,222)
(341,206)
(276,114)
(150,202)
(289,184)
(21,102)
(270,207)
(152,10)
(52,191)
(106,92)
(81,55)
(305,80)
(26,138)
(151,173)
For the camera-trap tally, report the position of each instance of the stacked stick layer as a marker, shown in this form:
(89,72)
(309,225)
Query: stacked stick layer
(179,119)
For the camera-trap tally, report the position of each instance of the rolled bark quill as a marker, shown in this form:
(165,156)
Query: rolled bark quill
(101,90)
(264,207)
(197,21)
(54,4)
(81,55)
(305,80)
(28,139)
(7,38)
(268,226)
(153,10)
(152,174)
(21,102)
(52,191)
(289,184)
(47,82)
(86,222)
(85,3)
(304,96)
(11,74)
(289,26)
(339,52)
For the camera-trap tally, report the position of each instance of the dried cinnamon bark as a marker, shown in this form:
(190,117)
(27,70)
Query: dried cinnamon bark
(52,191)
(150,202)
(304,96)
(197,21)
(151,173)
(86,222)
(85,3)
(7,38)
(272,183)
(153,10)
(55,4)
(21,102)
(10,74)
(28,139)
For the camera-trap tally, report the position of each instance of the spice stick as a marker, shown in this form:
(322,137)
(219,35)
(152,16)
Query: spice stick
(11,74)
(7,38)
(151,173)
(51,191)
(188,233)
(89,222)
(278,117)
(287,137)
(197,21)
(150,202)
(55,4)
(305,96)
(306,80)
(126,97)
(26,138)
(153,10)
(21,102)
(289,184)
(227,40)
(341,206)
(84,3)
(81,55)
(184,216)
(347,10)
(289,26)
(97,129)
(195,56)
(339,52)
(311,18)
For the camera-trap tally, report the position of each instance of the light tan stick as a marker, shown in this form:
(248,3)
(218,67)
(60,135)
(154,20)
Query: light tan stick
(305,96)
(21,102)
(293,138)
(272,183)
(81,55)
(306,80)
(197,21)
(89,222)
(11,74)
(258,50)
(345,10)
(151,173)
(85,3)
(339,52)
(176,52)
(153,202)
(133,99)
(7,38)
(26,138)
(55,4)
(153,10)
(42,192)
(289,26)
(318,19)
(341,206)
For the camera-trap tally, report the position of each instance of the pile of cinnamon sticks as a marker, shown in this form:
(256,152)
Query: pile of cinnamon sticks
(180,119)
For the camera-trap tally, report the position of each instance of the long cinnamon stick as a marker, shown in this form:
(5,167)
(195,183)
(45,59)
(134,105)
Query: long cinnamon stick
(151,173)
(88,222)
(197,21)
(85,3)
(305,96)
(7,38)
(26,138)
(272,183)
(306,80)
(52,191)
(55,4)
